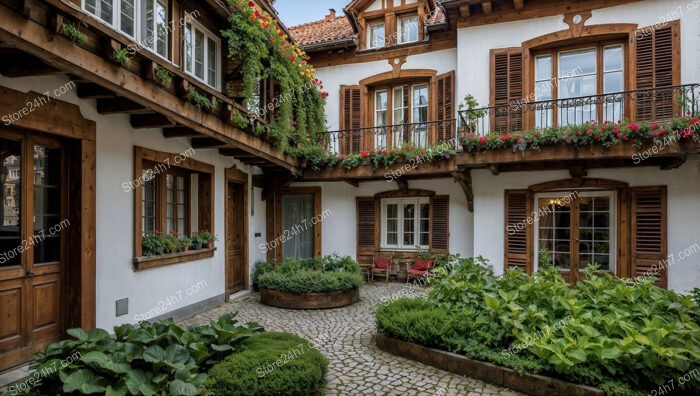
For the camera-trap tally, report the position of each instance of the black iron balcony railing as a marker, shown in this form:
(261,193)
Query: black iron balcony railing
(420,134)
(655,104)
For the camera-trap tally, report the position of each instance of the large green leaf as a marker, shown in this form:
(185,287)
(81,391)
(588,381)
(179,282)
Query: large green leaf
(84,381)
(102,361)
(180,388)
(140,383)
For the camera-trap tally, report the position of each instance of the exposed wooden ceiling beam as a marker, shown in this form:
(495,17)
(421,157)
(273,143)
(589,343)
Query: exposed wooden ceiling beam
(464,11)
(180,131)
(487,7)
(25,66)
(518,4)
(151,120)
(206,142)
(118,106)
(93,91)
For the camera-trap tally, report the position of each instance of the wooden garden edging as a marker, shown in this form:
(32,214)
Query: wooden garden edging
(328,300)
(530,384)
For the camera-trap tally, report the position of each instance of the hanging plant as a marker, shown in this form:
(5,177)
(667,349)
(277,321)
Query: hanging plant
(164,77)
(199,100)
(73,33)
(121,56)
(256,40)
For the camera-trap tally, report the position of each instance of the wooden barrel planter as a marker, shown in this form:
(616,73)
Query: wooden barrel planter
(328,300)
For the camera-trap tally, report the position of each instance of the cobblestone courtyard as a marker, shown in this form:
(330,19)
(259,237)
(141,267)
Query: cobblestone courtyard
(345,336)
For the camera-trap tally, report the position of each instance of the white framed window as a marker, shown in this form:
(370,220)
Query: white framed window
(420,114)
(146,21)
(381,108)
(408,29)
(405,223)
(376,35)
(202,54)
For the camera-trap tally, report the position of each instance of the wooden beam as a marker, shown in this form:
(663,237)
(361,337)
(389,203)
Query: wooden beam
(403,185)
(464,11)
(118,106)
(152,120)
(179,131)
(464,179)
(25,66)
(93,91)
(578,171)
(518,4)
(60,53)
(354,183)
(275,181)
(674,162)
(487,7)
(206,142)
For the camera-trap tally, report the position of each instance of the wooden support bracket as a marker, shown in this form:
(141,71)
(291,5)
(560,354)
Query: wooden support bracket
(464,179)
(403,185)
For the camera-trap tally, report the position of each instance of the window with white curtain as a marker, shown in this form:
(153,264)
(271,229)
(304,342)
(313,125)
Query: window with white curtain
(408,29)
(405,223)
(202,51)
(297,228)
(146,21)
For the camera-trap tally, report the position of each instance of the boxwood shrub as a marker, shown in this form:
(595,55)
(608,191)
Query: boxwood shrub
(313,275)
(607,332)
(269,364)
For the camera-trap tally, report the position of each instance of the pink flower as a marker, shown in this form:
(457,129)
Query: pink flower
(447,156)
(482,140)
(634,127)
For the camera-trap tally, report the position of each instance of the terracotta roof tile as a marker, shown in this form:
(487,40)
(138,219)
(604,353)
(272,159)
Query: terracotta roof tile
(324,31)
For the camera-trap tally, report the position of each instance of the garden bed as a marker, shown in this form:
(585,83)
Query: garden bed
(334,299)
(530,384)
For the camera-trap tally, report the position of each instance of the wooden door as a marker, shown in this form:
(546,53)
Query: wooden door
(236,238)
(33,229)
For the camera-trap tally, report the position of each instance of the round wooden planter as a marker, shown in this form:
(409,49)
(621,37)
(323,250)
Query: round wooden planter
(328,300)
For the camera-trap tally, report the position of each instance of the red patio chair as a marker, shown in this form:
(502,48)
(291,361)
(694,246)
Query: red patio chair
(421,269)
(381,266)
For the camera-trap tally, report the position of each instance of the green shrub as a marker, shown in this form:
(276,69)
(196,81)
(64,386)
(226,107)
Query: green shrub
(150,358)
(260,268)
(305,281)
(309,275)
(604,330)
(269,364)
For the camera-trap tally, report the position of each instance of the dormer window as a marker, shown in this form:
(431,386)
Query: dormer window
(408,29)
(376,34)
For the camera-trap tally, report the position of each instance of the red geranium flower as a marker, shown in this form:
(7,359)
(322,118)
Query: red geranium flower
(634,127)
(251,4)
(364,154)
(482,140)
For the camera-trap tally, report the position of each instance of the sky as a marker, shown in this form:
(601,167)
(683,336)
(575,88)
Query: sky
(296,12)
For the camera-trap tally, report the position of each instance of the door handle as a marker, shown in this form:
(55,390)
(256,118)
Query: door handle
(30,274)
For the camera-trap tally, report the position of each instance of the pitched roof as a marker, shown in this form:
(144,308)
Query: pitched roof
(325,31)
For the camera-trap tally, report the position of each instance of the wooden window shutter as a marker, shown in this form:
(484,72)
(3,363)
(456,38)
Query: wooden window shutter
(649,233)
(506,88)
(367,228)
(440,224)
(518,234)
(656,64)
(350,118)
(445,106)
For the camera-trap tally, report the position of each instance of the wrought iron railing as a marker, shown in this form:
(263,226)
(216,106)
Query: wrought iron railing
(420,134)
(655,104)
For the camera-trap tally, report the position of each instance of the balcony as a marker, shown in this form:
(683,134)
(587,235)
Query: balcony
(387,137)
(652,105)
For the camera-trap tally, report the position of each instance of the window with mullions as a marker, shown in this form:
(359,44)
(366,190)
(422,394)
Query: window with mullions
(405,223)
(376,35)
(408,29)
(165,197)
(409,107)
(576,74)
(202,51)
(144,20)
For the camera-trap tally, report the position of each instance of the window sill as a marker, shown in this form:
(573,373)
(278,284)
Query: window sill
(144,263)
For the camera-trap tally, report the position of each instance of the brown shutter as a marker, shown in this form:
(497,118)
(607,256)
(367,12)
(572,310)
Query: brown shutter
(649,249)
(350,118)
(445,106)
(655,64)
(440,224)
(518,234)
(367,229)
(506,88)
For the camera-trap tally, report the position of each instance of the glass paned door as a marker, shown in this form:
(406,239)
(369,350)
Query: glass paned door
(297,228)
(10,171)
(575,230)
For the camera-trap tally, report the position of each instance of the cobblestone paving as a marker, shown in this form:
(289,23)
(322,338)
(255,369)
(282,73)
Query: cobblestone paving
(345,336)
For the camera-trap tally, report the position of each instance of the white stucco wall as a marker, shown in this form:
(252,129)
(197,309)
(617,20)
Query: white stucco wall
(683,186)
(116,278)
(333,77)
(474,44)
(339,229)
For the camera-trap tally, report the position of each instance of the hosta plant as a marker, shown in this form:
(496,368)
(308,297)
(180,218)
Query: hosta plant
(159,358)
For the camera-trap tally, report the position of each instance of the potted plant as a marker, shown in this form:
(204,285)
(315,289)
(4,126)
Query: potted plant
(197,241)
(171,243)
(207,238)
(185,243)
(152,244)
